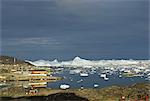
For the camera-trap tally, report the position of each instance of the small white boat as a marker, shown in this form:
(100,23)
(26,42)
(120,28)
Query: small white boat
(64,86)
(84,74)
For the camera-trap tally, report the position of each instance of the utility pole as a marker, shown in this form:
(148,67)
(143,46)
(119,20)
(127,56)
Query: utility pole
(14,61)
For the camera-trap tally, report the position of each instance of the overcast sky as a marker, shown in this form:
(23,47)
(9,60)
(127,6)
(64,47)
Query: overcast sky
(63,29)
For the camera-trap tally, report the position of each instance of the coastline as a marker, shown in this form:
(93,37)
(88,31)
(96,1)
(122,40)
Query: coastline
(136,91)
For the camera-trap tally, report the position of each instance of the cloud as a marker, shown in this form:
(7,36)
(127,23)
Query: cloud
(27,0)
(76,27)
(31,41)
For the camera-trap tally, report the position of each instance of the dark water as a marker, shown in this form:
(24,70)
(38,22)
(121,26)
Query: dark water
(88,82)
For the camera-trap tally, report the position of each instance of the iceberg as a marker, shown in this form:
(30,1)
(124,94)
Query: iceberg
(83,74)
(95,85)
(113,65)
(64,86)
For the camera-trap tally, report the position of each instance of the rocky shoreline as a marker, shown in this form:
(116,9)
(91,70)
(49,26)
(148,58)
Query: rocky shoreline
(52,97)
(115,93)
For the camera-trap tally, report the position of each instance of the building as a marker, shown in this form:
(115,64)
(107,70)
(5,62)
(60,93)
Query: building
(38,84)
(40,72)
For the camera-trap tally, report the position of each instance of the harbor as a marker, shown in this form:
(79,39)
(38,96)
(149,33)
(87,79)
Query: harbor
(88,80)
(26,80)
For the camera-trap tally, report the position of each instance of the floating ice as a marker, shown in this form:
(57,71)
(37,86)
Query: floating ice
(110,66)
(64,86)
(96,85)
(84,74)
(79,62)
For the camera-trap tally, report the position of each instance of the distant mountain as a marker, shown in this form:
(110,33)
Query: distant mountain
(12,60)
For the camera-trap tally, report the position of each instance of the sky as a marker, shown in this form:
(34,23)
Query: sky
(63,29)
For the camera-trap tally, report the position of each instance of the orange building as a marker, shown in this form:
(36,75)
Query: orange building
(39,72)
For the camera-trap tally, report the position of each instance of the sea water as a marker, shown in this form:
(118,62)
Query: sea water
(76,81)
